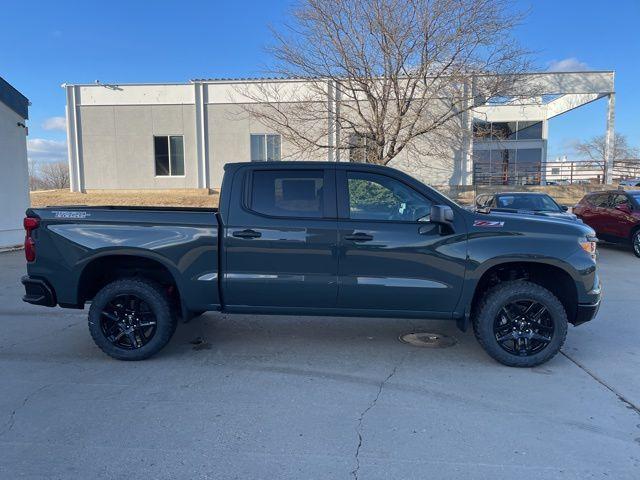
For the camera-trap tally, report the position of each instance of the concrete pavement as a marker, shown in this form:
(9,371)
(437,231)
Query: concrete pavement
(300,397)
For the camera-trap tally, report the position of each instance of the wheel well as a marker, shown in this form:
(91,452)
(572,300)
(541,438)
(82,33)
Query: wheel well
(554,279)
(105,270)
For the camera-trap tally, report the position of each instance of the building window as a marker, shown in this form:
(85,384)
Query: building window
(265,147)
(507,130)
(503,130)
(529,130)
(288,193)
(503,166)
(481,129)
(169,155)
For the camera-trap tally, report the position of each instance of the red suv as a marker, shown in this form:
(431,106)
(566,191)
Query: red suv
(614,215)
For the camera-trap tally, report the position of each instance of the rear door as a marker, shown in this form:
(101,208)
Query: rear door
(390,260)
(281,240)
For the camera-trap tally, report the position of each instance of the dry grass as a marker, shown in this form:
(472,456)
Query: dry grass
(165,198)
(567,195)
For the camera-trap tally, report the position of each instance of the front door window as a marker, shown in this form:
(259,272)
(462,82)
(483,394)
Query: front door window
(381,198)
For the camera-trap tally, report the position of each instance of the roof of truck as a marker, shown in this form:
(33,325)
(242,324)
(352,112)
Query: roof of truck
(280,163)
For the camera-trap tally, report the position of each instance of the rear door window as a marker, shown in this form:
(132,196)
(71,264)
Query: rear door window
(618,200)
(288,193)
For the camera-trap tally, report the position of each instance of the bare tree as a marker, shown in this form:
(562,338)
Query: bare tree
(593,151)
(35,183)
(53,175)
(398,74)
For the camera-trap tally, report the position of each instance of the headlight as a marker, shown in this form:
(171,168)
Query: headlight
(589,245)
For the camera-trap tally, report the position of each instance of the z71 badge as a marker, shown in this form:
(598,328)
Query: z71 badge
(70,214)
(488,223)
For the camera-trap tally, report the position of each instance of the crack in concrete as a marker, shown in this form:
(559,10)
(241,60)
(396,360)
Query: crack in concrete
(372,404)
(628,403)
(12,418)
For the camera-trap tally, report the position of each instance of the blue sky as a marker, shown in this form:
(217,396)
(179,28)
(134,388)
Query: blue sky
(45,44)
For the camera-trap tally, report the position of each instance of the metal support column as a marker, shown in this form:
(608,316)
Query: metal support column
(202,143)
(333,127)
(466,177)
(330,121)
(76,170)
(609,145)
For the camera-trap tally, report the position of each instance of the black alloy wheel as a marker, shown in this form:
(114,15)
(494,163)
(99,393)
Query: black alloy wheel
(523,327)
(132,318)
(520,323)
(127,322)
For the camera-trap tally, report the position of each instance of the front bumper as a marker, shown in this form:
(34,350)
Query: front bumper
(586,313)
(38,292)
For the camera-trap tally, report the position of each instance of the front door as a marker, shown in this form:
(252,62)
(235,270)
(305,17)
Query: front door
(391,258)
(281,241)
(595,215)
(620,217)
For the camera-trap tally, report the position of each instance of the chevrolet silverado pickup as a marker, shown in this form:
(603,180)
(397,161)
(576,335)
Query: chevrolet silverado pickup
(315,238)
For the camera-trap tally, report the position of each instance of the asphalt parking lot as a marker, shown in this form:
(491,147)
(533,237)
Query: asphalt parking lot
(317,398)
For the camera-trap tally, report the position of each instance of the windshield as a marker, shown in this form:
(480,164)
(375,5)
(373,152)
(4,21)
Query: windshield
(536,203)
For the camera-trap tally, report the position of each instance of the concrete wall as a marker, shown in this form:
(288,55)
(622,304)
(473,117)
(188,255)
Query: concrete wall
(116,144)
(14,180)
(229,133)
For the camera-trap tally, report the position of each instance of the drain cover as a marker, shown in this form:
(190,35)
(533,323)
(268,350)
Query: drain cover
(429,340)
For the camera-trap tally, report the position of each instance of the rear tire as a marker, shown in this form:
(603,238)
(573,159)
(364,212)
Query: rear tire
(635,242)
(520,324)
(131,319)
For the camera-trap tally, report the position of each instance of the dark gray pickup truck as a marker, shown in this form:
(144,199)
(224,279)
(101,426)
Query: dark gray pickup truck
(315,238)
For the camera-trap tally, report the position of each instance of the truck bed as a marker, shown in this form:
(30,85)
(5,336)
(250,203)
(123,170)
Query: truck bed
(74,243)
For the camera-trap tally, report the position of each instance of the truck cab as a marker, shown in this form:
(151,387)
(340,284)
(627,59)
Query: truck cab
(339,239)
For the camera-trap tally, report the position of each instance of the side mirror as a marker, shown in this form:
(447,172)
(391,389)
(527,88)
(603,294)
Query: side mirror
(564,208)
(441,215)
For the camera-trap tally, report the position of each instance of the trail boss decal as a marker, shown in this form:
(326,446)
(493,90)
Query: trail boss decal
(488,223)
(70,214)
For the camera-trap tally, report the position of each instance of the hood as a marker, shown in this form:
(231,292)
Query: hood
(558,223)
(558,215)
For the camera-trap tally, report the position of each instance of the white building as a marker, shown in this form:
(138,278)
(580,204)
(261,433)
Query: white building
(14,181)
(165,136)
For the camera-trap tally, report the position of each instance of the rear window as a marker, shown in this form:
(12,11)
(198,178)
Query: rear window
(542,203)
(599,200)
(288,193)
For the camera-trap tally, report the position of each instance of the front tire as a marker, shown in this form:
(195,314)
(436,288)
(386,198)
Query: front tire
(131,319)
(520,324)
